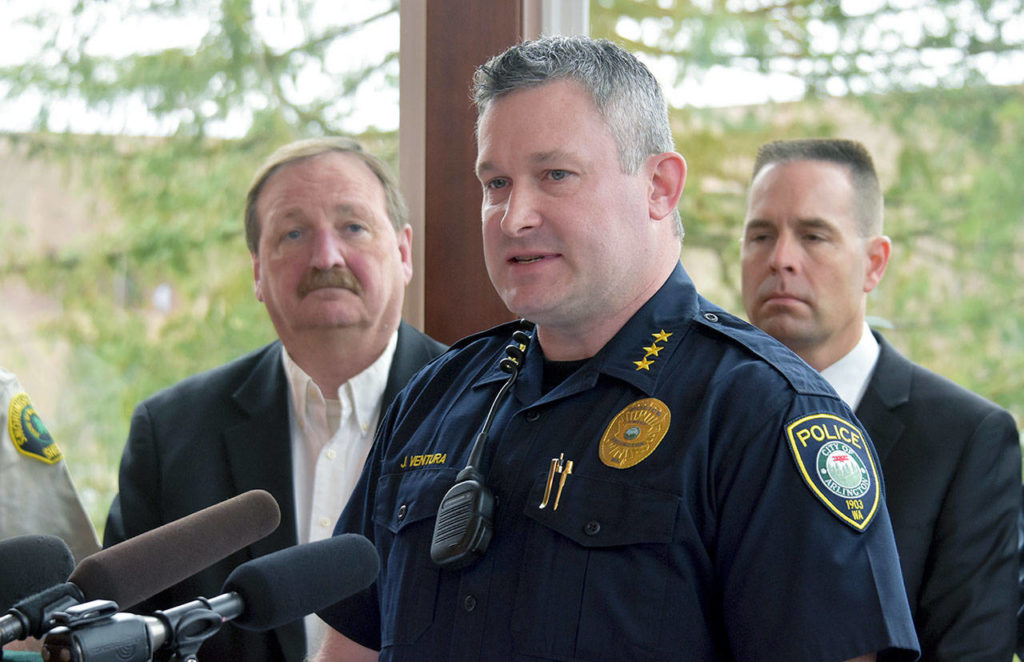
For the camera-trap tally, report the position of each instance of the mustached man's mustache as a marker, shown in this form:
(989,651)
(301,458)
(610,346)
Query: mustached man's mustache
(334,277)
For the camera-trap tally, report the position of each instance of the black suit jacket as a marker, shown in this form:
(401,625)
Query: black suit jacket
(952,467)
(211,437)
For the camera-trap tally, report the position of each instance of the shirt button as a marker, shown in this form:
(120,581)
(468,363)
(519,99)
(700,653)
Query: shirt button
(532,415)
(592,528)
(402,510)
(324,522)
(469,603)
(331,453)
(711,317)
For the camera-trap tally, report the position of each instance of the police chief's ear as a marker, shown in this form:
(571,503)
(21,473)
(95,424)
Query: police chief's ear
(667,172)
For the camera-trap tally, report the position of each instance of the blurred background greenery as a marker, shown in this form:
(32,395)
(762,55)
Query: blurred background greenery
(157,284)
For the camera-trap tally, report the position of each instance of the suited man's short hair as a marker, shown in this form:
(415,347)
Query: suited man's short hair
(851,154)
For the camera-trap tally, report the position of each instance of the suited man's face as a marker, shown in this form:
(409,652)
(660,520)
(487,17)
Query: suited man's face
(329,256)
(806,268)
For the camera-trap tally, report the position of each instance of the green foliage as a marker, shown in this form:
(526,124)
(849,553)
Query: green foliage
(174,221)
(914,81)
(908,77)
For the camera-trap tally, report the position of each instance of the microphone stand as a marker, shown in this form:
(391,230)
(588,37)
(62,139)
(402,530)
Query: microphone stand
(91,633)
(187,626)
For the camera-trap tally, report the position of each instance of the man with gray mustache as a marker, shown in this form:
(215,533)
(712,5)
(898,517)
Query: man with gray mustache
(331,254)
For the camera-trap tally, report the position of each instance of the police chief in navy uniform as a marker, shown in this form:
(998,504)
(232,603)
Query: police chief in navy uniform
(668,482)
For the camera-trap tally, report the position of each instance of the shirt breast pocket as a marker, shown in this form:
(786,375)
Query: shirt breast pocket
(404,513)
(595,571)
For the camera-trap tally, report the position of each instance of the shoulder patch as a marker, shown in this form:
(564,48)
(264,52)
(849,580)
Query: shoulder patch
(28,432)
(835,462)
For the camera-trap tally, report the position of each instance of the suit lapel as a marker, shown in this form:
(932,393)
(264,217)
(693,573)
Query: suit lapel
(412,352)
(259,447)
(259,454)
(888,389)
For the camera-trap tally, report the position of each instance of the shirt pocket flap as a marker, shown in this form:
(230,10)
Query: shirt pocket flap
(600,513)
(409,497)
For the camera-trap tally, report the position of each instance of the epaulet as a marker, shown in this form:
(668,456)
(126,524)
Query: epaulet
(502,330)
(801,376)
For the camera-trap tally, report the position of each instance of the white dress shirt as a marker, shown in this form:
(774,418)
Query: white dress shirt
(330,439)
(849,375)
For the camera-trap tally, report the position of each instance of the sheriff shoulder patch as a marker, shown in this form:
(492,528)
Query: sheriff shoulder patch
(28,432)
(835,462)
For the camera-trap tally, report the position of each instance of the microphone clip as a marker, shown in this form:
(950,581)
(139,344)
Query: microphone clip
(85,613)
(189,628)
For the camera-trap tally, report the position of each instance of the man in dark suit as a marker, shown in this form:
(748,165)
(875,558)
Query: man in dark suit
(331,251)
(812,250)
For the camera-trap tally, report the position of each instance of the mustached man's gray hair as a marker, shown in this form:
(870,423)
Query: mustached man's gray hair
(301,150)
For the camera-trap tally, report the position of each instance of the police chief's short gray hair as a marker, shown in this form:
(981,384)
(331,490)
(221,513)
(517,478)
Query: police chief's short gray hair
(624,90)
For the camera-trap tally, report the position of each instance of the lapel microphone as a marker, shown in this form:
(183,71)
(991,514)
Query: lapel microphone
(465,517)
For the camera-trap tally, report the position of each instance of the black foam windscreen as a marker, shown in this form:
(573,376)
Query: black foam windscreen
(140,567)
(30,564)
(289,584)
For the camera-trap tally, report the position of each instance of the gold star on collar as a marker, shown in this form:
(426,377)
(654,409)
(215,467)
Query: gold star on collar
(652,350)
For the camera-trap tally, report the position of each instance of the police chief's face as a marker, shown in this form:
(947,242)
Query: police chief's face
(561,221)
(328,254)
(805,268)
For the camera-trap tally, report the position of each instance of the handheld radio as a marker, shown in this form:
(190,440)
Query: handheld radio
(464,522)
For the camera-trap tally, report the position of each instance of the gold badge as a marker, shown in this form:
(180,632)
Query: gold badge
(634,433)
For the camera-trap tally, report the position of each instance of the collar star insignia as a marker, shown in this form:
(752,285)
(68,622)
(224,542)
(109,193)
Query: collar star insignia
(644,364)
(653,350)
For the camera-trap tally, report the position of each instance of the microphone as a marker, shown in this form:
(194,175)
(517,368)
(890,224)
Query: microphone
(31,563)
(302,580)
(261,594)
(140,567)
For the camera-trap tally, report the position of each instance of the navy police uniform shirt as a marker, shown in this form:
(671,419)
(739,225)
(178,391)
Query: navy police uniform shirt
(694,491)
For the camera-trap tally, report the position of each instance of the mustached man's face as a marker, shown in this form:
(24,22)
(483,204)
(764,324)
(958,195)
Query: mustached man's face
(329,256)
